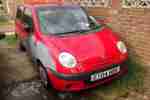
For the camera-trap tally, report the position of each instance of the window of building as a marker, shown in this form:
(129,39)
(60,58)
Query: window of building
(136,3)
(93,3)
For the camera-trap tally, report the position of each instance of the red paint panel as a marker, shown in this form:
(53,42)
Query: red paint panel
(42,1)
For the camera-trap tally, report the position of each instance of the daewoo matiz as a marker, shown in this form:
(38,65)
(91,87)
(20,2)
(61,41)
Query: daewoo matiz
(73,51)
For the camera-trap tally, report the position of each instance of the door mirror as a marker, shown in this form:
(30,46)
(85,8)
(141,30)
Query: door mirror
(93,19)
(28,28)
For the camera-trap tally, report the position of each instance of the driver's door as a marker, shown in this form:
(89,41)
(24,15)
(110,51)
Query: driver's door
(29,40)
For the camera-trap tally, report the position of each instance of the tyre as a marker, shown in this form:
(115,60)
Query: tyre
(21,47)
(44,76)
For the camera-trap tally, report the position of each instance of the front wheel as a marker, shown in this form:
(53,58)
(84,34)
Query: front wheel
(21,47)
(44,76)
(20,43)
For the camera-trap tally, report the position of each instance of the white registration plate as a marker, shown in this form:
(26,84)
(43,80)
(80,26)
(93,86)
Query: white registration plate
(105,74)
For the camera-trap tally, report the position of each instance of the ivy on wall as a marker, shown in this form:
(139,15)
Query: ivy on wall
(1,7)
(93,3)
(136,3)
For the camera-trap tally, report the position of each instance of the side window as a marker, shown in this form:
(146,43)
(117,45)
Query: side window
(27,18)
(19,12)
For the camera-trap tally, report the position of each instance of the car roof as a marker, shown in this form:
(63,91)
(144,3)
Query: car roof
(48,4)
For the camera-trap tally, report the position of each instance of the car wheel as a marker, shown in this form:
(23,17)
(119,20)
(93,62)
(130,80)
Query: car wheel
(44,76)
(21,47)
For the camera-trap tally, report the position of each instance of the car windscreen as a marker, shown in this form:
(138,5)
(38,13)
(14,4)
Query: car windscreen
(63,20)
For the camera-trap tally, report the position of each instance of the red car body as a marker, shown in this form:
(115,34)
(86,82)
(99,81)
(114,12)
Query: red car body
(94,52)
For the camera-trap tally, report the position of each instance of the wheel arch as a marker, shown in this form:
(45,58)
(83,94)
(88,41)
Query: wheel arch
(44,56)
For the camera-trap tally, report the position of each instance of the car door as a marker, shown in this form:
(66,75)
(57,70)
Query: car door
(29,30)
(19,22)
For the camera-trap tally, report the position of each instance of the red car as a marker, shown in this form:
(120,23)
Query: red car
(73,50)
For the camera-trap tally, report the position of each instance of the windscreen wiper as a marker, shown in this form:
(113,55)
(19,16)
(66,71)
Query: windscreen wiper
(77,31)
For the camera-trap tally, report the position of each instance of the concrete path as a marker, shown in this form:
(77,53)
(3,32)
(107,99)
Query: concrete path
(19,78)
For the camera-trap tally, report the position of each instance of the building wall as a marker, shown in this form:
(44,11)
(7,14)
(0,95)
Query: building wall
(9,7)
(12,5)
(134,27)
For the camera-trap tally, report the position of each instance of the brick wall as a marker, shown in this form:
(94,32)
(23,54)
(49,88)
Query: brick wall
(134,28)
(9,7)
(132,25)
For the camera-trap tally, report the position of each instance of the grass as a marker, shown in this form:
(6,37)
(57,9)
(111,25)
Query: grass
(3,20)
(4,23)
(133,81)
(11,40)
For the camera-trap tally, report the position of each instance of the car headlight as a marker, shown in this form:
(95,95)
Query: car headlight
(67,60)
(121,47)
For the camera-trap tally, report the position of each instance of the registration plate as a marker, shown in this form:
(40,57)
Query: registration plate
(105,74)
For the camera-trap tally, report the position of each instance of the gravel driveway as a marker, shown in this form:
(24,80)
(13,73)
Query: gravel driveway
(19,81)
(19,78)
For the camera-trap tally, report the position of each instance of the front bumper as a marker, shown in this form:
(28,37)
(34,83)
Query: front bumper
(79,82)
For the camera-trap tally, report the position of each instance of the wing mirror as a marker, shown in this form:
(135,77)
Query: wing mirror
(93,19)
(28,28)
